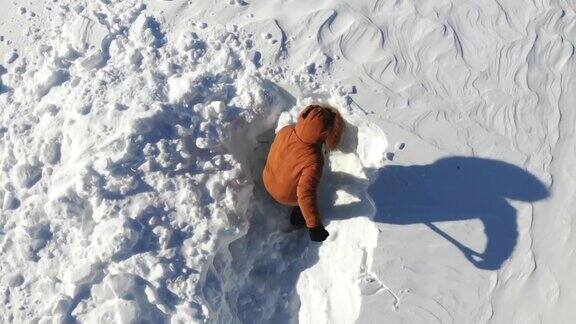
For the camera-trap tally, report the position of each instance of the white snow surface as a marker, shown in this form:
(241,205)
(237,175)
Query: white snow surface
(133,135)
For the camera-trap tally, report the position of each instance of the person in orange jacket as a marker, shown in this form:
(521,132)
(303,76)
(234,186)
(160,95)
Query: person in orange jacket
(294,165)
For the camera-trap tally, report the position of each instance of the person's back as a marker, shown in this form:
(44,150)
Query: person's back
(294,165)
(287,158)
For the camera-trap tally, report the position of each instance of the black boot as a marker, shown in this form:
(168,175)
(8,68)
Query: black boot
(296,218)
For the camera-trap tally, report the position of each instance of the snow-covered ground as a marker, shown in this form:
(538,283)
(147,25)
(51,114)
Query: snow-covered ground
(133,134)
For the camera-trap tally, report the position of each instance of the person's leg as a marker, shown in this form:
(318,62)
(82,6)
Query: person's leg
(296,218)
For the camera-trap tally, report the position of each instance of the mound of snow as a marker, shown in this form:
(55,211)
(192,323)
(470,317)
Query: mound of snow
(123,167)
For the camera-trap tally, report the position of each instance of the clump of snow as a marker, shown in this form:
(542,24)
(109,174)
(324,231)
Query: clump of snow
(10,57)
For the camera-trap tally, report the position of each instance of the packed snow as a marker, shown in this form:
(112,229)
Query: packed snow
(133,135)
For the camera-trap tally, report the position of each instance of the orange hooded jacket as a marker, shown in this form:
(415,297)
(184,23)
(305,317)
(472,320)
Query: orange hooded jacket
(294,165)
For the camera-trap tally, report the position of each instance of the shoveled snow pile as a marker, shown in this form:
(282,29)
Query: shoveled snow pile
(123,168)
(129,178)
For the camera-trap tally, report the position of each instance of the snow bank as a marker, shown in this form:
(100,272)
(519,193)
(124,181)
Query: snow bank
(124,167)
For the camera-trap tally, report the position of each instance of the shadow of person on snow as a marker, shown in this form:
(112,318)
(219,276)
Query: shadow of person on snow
(450,189)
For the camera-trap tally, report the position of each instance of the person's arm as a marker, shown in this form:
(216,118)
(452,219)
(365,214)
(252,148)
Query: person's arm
(307,191)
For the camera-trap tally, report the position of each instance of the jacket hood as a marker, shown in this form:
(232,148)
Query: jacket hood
(313,125)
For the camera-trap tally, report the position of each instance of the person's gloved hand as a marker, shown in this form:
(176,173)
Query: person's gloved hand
(318,234)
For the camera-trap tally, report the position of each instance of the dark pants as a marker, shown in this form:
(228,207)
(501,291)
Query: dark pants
(296,218)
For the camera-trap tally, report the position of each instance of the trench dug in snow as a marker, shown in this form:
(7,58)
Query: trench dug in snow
(131,166)
(275,274)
